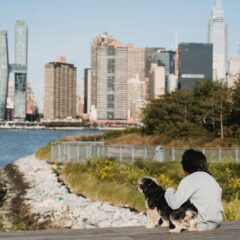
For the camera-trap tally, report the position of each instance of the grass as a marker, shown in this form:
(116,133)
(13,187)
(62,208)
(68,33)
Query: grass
(19,224)
(114,193)
(44,153)
(1,228)
(232,209)
(114,182)
(137,138)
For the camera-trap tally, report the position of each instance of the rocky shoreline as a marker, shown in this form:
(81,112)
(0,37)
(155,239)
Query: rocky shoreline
(32,192)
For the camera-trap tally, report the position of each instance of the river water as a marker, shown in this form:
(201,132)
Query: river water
(15,144)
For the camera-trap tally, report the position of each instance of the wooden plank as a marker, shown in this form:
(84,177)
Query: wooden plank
(228,231)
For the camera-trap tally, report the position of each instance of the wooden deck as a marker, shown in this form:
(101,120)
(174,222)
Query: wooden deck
(228,231)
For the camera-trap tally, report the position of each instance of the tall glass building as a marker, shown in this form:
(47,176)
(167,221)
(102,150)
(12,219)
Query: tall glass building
(217,35)
(20,69)
(3,73)
(194,63)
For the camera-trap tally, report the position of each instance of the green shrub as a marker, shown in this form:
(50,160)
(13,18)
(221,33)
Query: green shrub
(228,176)
(1,228)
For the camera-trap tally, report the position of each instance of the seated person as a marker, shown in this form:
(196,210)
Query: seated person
(201,188)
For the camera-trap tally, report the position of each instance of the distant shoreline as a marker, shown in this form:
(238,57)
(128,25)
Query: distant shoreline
(60,128)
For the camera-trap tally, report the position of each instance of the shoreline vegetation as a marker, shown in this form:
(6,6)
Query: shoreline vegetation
(101,173)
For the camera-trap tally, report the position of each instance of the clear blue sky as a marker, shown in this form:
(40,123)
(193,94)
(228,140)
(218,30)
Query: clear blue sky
(67,27)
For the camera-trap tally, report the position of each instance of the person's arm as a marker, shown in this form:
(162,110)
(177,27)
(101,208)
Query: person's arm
(184,191)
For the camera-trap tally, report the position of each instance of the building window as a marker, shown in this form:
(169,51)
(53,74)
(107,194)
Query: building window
(110,83)
(110,51)
(110,101)
(110,115)
(111,66)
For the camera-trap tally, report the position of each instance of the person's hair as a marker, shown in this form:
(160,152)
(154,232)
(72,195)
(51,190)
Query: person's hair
(193,161)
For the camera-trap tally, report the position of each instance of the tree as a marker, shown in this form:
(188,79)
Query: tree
(170,115)
(213,103)
(235,114)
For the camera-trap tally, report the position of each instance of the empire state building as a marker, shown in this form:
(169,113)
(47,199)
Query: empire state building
(217,35)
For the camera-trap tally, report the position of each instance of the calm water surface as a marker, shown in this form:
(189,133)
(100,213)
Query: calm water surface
(15,144)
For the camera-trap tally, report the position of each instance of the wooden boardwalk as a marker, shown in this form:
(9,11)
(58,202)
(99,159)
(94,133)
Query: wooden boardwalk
(228,231)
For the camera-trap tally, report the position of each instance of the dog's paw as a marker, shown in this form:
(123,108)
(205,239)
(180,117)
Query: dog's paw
(165,224)
(150,226)
(175,230)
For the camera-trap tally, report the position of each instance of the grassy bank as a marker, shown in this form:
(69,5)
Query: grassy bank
(114,182)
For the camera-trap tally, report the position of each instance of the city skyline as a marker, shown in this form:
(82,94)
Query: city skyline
(58,27)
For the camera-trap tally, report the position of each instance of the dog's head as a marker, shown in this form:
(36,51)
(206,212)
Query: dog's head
(146,183)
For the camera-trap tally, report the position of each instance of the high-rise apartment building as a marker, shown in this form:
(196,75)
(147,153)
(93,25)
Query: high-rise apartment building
(195,63)
(31,105)
(114,70)
(136,81)
(149,59)
(20,69)
(100,42)
(4,72)
(157,80)
(60,90)
(112,102)
(136,97)
(233,71)
(87,90)
(136,62)
(165,58)
(217,35)
(109,78)
(10,101)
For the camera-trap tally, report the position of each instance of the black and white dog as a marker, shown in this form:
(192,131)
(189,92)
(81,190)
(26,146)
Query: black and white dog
(184,218)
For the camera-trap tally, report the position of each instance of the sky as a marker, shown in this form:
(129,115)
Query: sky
(67,28)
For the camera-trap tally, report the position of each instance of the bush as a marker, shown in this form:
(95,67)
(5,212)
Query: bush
(228,176)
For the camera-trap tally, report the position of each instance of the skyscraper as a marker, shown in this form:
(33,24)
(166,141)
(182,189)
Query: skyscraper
(166,59)
(87,90)
(136,81)
(100,42)
(109,78)
(3,73)
(217,35)
(59,90)
(233,71)
(20,69)
(157,80)
(149,59)
(195,63)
